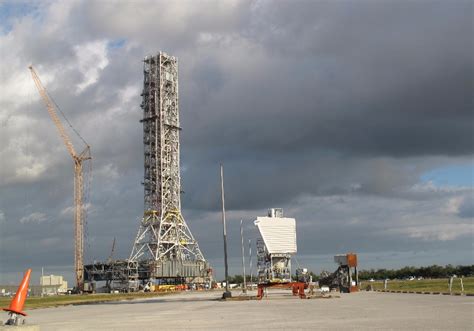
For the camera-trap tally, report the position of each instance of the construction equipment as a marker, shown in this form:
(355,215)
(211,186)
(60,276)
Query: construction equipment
(275,247)
(302,275)
(346,277)
(111,252)
(274,251)
(78,160)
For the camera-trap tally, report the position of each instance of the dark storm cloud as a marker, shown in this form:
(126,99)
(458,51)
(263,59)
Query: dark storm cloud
(390,80)
(306,103)
(384,79)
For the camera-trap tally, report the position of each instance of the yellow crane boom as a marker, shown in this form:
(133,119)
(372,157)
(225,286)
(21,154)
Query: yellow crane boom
(78,181)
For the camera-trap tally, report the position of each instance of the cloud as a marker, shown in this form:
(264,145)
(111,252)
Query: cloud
(50,242)
(92,58)
(466,207)
(442,232)
(35,217)
(69,211)
(332,111)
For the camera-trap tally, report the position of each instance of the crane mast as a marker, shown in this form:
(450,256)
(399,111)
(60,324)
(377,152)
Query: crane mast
(78,160)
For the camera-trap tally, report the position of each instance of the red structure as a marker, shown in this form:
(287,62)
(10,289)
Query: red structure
(296,287)
(352,266)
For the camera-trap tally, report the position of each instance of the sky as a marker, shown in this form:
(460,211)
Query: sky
(355,117)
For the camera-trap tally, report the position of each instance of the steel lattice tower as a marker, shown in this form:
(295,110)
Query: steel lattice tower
(163,237)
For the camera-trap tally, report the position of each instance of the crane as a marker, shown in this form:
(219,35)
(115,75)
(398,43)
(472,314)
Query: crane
(78,160)
(111,252)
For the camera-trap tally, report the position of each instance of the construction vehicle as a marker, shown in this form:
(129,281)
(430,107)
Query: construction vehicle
(345,278)
(78,160)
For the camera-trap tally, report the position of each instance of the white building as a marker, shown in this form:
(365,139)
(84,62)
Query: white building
(53,284)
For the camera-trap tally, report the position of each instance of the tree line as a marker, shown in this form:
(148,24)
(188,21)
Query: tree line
(433,271)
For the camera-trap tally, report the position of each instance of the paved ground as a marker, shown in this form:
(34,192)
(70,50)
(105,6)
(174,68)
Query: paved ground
(365,310)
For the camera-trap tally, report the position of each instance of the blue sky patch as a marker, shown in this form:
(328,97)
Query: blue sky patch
(10,10)
(460,175)
(116,43)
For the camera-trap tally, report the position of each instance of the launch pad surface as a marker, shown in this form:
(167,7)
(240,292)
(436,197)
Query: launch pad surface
(203,310)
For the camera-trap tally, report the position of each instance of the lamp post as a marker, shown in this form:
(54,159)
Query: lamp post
(243,256)
(227,293)
(250,264)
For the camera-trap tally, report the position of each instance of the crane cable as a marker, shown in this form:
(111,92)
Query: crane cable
(65,118)
(297,263)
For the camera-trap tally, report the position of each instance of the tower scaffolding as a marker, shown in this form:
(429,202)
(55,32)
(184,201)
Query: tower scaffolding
(164,240)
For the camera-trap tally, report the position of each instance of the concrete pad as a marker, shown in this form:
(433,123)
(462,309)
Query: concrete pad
(280,310)
(24,327)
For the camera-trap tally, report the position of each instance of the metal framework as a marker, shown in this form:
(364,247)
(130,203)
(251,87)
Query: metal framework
(346,277)
(163,236)
(274,266)
(78,160)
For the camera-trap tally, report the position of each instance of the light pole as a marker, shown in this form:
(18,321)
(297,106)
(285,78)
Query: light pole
(250,262)
(243,256)
(227,293)
(42,281)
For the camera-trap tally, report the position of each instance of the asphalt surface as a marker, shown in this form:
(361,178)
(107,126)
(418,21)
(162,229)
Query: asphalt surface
(203,311)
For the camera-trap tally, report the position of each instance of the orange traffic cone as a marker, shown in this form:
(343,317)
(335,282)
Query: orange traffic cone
(16,306)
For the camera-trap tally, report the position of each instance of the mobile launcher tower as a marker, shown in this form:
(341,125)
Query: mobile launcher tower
(275,247)
(164,246)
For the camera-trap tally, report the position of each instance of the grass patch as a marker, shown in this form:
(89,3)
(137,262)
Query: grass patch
(62,300)
(424,285)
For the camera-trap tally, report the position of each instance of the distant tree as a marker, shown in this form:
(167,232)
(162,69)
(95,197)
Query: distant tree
(465,270)
(238,279)
(433,271)
(314,276)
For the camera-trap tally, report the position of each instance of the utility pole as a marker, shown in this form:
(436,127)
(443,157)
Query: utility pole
(227,293)
(243,255)
(250,261)
(42,281)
